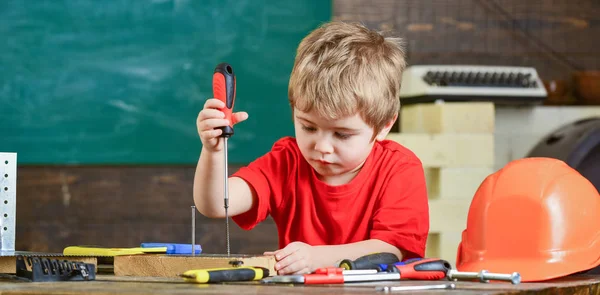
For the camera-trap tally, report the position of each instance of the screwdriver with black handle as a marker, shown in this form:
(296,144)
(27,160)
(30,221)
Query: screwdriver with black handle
(416,268)
(224,90)
(219,275)
(371,261)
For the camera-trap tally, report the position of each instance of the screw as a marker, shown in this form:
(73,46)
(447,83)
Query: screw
(484,276)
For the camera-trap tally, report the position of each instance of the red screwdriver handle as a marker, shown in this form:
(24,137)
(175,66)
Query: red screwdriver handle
(224,90)
(424,269)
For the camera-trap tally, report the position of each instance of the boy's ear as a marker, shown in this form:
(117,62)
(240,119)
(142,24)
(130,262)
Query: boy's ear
(386,129)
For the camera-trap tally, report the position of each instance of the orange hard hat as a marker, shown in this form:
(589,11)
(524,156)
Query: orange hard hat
(535,216)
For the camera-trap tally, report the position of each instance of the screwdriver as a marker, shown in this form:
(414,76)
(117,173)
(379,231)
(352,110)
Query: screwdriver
(218,275)
(421,269)
(371,261)
(224,90)
(416,268)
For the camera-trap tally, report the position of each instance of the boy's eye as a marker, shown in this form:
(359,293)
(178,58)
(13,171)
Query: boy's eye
(342,135)
(309,129)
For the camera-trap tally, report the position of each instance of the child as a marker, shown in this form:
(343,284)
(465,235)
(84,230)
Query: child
(338,190)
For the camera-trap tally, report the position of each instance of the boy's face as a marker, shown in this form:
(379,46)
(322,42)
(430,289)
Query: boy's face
(336,149)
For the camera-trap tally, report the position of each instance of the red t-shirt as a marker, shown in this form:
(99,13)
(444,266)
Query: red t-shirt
(387,200)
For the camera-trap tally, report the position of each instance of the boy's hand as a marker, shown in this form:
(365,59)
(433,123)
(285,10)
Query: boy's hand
(296,258)
(210,118)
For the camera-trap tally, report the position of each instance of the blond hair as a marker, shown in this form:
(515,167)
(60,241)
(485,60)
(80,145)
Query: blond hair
(345,68)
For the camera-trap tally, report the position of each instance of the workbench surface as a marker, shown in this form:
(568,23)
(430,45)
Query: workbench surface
(112,285)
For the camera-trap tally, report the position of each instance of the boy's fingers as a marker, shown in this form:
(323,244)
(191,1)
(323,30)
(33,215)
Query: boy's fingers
(210,124)
(214,103)
(269,253)
(292,264)
(284,265)
(210,113)
(285,252)
(209,134)
(239,117)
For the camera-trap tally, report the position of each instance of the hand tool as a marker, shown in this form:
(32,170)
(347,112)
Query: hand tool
(421,269)
(218,275)
(172,248)
(416,268)
(193,228)
(388,289)
(371,261)
(484,276)
(44,269)
(334,275)
(435,269)
(147,248)
(224,89)
(99,251)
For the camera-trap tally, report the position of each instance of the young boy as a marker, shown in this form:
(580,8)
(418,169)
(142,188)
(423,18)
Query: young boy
(338,190)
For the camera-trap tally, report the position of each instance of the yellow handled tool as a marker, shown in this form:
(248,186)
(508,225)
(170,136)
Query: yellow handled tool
(218,275)
(97,251)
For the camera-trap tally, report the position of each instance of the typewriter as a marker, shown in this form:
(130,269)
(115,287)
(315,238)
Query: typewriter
(498,84)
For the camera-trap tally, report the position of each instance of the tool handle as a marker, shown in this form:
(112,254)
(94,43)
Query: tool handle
(323,279)
(371,261)
(325,275)
(173,248)
(99,251)
(227,274)
(423,269)
(183,249)
(224,90)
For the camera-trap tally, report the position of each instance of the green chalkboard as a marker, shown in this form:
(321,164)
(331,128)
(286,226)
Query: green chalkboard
(122,81)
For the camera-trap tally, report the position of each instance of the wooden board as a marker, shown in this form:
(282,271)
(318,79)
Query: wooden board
(8,264)
(152,265)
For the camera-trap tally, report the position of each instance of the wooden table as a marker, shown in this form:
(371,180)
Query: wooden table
(112,285)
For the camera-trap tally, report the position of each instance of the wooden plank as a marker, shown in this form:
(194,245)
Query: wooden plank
(171,266)
(452,117)
(449,150)
(455,183)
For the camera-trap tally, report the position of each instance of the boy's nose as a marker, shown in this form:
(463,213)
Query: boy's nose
(323,146)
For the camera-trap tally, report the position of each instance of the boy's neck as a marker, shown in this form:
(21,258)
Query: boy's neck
(342,178)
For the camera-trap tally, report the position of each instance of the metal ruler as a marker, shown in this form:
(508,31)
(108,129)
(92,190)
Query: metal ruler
(8,201)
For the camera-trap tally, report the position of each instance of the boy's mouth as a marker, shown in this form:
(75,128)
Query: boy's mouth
(322,162)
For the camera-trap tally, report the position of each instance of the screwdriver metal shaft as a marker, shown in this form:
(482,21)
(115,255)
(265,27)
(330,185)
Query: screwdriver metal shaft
(226,199)
(193,230)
